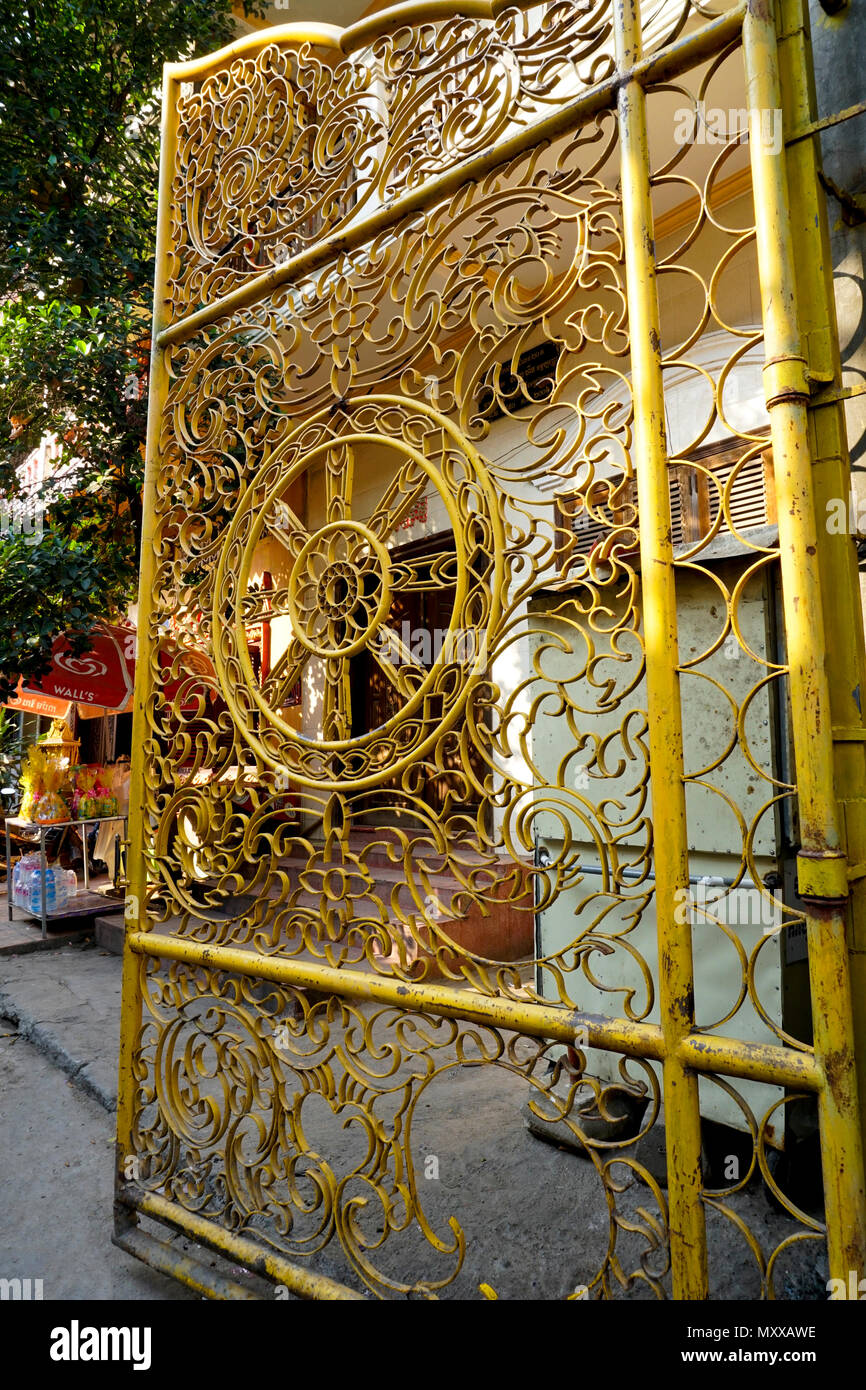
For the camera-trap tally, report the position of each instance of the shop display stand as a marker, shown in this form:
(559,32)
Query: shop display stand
(86,903)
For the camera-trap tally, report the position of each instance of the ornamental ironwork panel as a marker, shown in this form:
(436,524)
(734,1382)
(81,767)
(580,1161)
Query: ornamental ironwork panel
(484,726)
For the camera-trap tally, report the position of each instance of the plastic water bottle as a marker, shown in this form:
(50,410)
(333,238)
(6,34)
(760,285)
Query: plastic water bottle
(34,890)
(55,891)
(21,891)
(61,892)
(21,880)
(60,886)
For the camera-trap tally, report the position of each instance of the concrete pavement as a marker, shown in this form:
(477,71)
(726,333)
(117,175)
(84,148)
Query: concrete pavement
(56,1171)
(67,1003)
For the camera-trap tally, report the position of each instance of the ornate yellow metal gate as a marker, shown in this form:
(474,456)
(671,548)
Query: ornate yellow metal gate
(461,312)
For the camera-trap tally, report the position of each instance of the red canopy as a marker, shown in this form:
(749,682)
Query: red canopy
(102,679)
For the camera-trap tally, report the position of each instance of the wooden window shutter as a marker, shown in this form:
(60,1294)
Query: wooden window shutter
(751,498)
(585,520)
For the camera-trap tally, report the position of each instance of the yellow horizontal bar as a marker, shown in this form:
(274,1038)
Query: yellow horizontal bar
(365,31)
(248,1252)
(187,1270)
(830,395)
(680,55)
(197,69)
(780,1066)
(826,121)
(534,1020)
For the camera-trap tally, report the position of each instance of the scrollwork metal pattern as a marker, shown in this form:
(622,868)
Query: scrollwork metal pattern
(308,427)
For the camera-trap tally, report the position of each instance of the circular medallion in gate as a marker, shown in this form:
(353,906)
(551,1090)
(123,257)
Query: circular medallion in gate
(336,494)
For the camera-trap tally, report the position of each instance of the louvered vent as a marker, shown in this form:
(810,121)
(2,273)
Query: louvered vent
(695,495)
(747,500)
(678,489)
(588,529)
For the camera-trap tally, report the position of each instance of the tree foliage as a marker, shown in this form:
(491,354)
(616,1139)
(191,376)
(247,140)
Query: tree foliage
(79,145)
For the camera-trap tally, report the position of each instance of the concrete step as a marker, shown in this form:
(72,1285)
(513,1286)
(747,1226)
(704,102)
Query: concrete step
(496,927)
(109,933)
(384,848)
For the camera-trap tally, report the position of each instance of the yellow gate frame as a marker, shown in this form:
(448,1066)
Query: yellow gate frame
(822,618)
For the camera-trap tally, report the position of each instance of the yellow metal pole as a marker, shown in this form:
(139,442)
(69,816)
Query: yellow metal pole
(831,475)
(130,1009)
(822,863)
(659,605)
